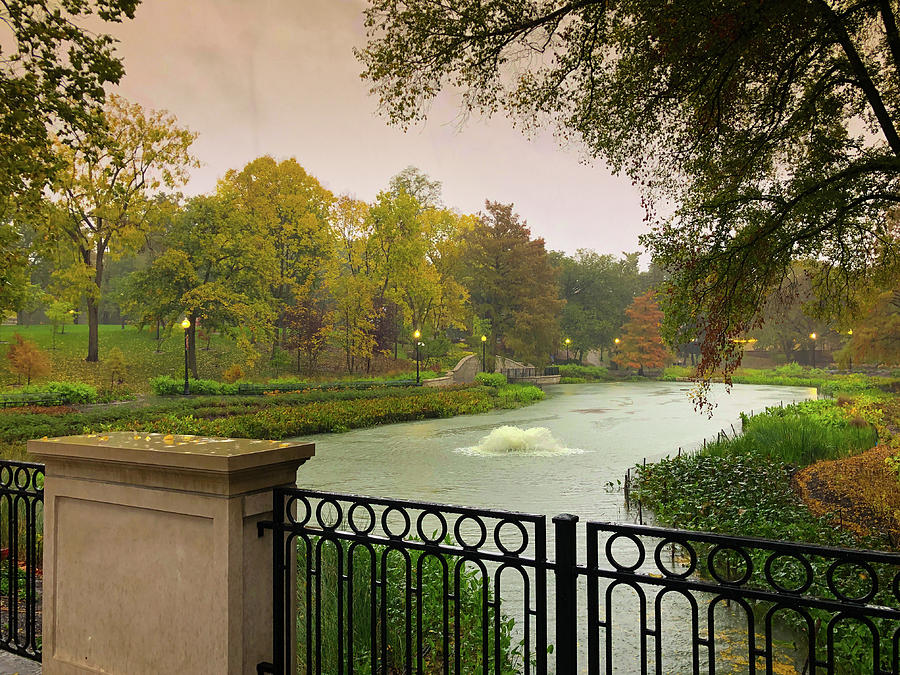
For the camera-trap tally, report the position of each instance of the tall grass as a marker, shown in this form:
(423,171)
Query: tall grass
(796,440)
(385,619)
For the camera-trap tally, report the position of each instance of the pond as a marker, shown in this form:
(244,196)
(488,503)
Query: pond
(612,426)
(593,433)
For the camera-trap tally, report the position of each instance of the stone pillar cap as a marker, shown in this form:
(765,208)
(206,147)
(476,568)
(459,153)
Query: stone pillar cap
(224,466)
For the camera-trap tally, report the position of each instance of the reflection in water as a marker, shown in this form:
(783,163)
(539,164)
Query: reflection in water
(613,425)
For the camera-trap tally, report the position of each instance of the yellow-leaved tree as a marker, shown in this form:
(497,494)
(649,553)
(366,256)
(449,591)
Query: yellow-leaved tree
(103,200)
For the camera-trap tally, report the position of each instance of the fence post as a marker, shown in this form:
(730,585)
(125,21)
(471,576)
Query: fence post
(566,593)
(153,561)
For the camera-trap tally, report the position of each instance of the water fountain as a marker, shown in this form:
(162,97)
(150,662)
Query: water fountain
(512,440)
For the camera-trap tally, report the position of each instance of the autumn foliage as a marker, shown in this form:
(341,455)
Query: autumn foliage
(25,359)
(641,344)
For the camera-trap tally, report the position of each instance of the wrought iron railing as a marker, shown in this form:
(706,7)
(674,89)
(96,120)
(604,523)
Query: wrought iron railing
(21,553)
(738,591)
(367,585)
(390,586)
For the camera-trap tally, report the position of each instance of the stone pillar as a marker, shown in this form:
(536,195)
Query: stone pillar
(152,561)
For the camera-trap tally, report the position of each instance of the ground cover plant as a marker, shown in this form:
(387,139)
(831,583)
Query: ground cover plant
(283,416)
(752,485)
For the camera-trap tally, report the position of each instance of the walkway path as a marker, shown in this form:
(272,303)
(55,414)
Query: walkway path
(10,664)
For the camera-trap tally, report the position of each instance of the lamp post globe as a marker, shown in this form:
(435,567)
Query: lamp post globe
(568,342)
(185,324)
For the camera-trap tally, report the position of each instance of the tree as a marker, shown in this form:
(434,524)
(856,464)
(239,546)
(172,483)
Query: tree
(597,289)
(641,343)
(512,284)
(116,367)
(217,269)
(770,126)
(52,79)
(789,317)
(13,269)
(25,359)
(308,324)
(293,208)
(60,314)
(876,338)
(103,197)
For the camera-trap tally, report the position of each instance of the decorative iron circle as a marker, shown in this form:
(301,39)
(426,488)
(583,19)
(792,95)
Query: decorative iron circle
(320,515)
(612,559)
(406,522)
(873,581)
(457,532)
(22,477)
(804,563)
(441,532)
(38,479)
(294,502)
(351,520)
(897,586)
(6,475)
(692,555)
(711,563)
(498,539)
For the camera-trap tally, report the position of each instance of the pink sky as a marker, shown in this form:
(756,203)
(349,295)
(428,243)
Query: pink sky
(279,77)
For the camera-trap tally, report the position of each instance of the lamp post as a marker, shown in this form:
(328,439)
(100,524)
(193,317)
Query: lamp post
(850,333)
(616,350)
(568,342)
(185,324)
(483,359)
(417,334)
(812,336)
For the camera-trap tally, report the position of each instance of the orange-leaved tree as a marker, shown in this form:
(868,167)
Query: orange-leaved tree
(26,359)
(641,345)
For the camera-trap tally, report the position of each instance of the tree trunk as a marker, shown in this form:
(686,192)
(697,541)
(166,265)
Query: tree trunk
(93,312)
(93,304)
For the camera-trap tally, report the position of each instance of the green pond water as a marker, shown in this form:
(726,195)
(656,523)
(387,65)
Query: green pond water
(613,426)
(592,434)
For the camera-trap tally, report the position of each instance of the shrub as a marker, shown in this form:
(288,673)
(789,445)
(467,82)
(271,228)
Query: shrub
(572,380)
(233,373)
(26,359)
(587,373)
(67,392)
(165,385)
(490,379)
(511,394)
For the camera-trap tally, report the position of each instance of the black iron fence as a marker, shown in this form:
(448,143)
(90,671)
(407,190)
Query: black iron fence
(21,553)
(253,389)
(366,585)
(529,371)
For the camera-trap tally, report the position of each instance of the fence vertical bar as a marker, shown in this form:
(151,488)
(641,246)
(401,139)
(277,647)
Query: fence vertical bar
(566,593)
(540,600)
(278,646)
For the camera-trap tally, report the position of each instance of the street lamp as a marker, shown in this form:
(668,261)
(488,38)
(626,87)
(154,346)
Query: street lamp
(568,342)
(417,334)
(616,341)
(850,368)
(185,324)
(812,336)
(483,360)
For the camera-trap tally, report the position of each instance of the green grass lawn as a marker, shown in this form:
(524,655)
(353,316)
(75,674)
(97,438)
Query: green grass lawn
(67,352)
(139,347)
